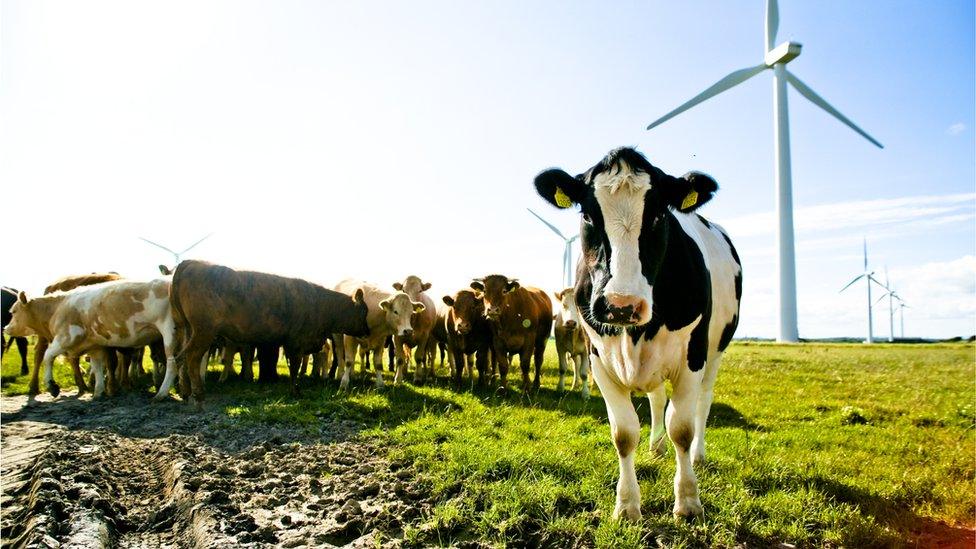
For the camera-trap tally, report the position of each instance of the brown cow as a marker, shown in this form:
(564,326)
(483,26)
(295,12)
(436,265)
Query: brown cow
(438,341)
(422,324)
(571,342)
(216,301)
(521,319)
(63,285)
(468,332)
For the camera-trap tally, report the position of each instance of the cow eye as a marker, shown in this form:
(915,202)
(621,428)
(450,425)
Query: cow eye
(587,219)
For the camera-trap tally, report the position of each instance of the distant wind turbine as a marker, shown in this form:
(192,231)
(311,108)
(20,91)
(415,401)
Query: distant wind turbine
(892,295)
(868,276)
(176,255)
(567,253)
(901,309)
(776,59)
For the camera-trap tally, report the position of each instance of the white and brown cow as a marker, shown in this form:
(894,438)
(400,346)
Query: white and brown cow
(571,342)
(92,319)
(658,290)
(387,314)
(421,336)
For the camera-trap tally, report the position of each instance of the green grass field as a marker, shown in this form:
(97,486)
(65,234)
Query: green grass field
(810,444)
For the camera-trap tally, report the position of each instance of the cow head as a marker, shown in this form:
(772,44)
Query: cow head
(468,307)
(21,321)
(494,290)
(399,308)
(624,203)
(412,286)
(568,310)
(356,325)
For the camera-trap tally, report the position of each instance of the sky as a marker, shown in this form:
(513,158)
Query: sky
(373,140)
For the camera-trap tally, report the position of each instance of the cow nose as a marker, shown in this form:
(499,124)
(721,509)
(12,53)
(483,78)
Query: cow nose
(407,333)
(463,329)
(494,312)
(570,324)
(624,309)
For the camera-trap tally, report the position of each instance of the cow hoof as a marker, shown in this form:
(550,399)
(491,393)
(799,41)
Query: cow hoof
(160,397)
(24,371)
(627,512)
(688,511)
(53,388)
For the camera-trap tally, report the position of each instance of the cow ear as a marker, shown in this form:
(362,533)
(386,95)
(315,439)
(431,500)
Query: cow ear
(359,297)
(478,285)
(22,297)
(397,286)
(386,305)
(425,286)
(687,193)
(418,307)
(449,301)
(559,188)
(511,285)
(164,270)
(559,295)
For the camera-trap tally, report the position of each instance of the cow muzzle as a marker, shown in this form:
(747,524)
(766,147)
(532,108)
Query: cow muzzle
(494,313)
(463,329)
(570,324)
(623,309)
(406,333)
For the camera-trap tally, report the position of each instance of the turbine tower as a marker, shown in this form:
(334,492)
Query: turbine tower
(869,278)
(901,309)
(176,255)
(567,253)
(892,295)
(776,58)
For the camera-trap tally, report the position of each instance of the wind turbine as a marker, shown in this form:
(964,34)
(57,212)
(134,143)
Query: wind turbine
(176,255)
(567,253)
(776,58)
(869,278)
(901,309)
(892,295)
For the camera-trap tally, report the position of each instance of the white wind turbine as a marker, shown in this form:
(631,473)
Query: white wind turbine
(776,58)
(567,253)
(868,277)
(892,295)
(176,255)
(901,309)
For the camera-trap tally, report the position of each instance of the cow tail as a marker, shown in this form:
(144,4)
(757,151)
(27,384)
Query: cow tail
(183,330)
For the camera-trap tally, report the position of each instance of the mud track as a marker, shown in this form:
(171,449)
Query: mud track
(124,473)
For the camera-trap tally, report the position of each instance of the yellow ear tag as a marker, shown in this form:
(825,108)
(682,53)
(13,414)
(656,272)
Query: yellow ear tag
(690,200)
(562,200)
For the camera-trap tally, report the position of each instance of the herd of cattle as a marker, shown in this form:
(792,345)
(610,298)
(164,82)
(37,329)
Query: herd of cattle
(656,299)
(200,307)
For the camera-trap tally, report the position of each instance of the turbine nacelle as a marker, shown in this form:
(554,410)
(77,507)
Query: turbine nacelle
(783,53)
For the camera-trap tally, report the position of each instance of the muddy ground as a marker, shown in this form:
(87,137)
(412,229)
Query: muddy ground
(126,473)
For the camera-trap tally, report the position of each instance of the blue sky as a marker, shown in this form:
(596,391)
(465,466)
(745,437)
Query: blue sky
(334,139)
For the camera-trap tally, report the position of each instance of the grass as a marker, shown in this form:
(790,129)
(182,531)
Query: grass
(810,444)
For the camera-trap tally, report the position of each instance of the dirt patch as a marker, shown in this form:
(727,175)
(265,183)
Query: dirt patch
(126,473)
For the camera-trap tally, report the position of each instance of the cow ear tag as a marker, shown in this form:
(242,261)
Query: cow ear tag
(562,199)
(526,323)
(690,200)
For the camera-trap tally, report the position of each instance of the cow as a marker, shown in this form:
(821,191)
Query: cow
(571,342)
(438,335)
(468,331)
(65,284)
(389,314)
(9,298)
(422,324)
(216,301)
(658,290)
(97,319)
(521,320)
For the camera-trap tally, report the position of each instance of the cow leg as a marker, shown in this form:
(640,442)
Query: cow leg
(458,370)
(22,351)
(625,431)
(170,351)
(703,407)
(338,354)
(295,367)
(50,354)
(227,360)
(109,369)
(561,386)
(192,356)
(583,363)
(75,363)
(378,366)
(267,363)
(32,387)
(481,362)
(525,362)
(350,348)
(390,351)
(402,361)
(680,420)
(502,358)
(125,361)
(136,369)
(247,363)
(540,354)
(658,399)
(100,361)
(204,363)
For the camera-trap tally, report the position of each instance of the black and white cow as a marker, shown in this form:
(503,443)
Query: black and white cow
(658,288)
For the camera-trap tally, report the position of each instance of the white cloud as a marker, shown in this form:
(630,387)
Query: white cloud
(956,128)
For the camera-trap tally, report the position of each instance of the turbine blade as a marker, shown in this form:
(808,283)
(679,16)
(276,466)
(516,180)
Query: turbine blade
(865,254)
(805,91)
(730,81)
(852,282)
(157,245)
(550,225)
(772,23)
(875,280)
(194,245)
(573,239)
